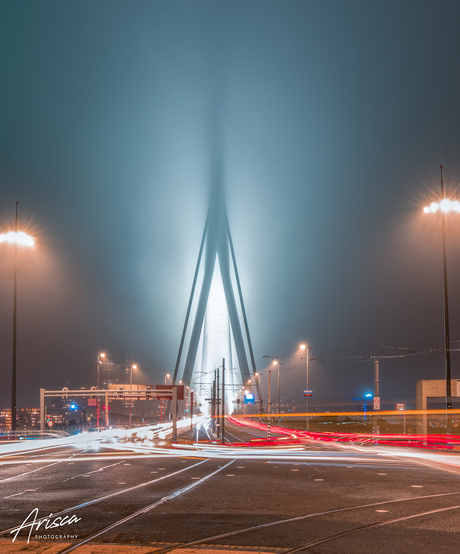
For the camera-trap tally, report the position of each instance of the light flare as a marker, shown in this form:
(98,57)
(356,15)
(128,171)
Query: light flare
(17,237)
(446,206)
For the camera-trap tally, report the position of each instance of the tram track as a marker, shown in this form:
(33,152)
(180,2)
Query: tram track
(255,528)
(145,509)
(111,495)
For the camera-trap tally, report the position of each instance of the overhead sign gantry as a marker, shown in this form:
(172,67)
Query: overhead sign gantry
(118,392)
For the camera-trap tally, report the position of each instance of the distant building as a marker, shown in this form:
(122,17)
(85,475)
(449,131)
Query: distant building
(25,417)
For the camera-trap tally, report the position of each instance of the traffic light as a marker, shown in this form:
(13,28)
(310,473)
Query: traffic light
(148,391)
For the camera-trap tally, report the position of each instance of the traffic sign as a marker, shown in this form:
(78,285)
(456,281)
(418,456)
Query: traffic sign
(376,403)
(308,393)
(401,407)
(92,401)
(249,398)
(168,392)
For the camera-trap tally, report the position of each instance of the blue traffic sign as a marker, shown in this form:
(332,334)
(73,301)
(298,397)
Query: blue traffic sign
(249,399)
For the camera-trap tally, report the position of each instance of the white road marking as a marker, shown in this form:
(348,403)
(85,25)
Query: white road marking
(11,495)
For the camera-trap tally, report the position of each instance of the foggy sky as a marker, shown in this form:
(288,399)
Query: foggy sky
(333,117)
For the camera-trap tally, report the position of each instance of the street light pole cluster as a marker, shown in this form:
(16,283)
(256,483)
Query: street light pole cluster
(276,362)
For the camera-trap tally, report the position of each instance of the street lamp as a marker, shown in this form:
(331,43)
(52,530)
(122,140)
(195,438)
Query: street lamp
(305,347)
(99,356)
(134,366)
(275,361)
(444,207)
(167,375)
(18,238)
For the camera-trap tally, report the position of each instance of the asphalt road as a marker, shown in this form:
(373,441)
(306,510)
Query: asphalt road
(319,498)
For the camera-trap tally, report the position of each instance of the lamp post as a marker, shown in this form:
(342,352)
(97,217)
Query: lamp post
(18,238)
(130,392)
(257,380)
(305,347)
(275,361)
(444,207)
(161,401)
(99,356)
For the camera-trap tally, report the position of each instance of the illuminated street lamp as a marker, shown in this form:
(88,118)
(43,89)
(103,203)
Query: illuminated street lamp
(134,366)
(17,238)
(161,401)
(305,347)
(444,207)
(99,356)
(279,364)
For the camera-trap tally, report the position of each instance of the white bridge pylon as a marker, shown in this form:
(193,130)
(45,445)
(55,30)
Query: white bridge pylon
(215,325)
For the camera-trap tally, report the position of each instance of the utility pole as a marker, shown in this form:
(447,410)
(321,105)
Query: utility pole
(269,401)
(15,295)
(223,400)
(308,387)
(376,395)
(213,404)
(446,307)
(217,404)
(174,426)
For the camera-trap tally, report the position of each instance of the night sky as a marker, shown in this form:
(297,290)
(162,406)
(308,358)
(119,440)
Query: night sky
(331,120)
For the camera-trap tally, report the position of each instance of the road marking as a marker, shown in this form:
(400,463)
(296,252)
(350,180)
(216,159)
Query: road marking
(161,468)
(381,473)
(154,472)
(294,470)
(230,475)
(349,467)
(240,467)
(382,511)
(417,486)
(11,495)
(126,464)
(122,483)
(318,479)
(30,490)
(195,477)
(90,472)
